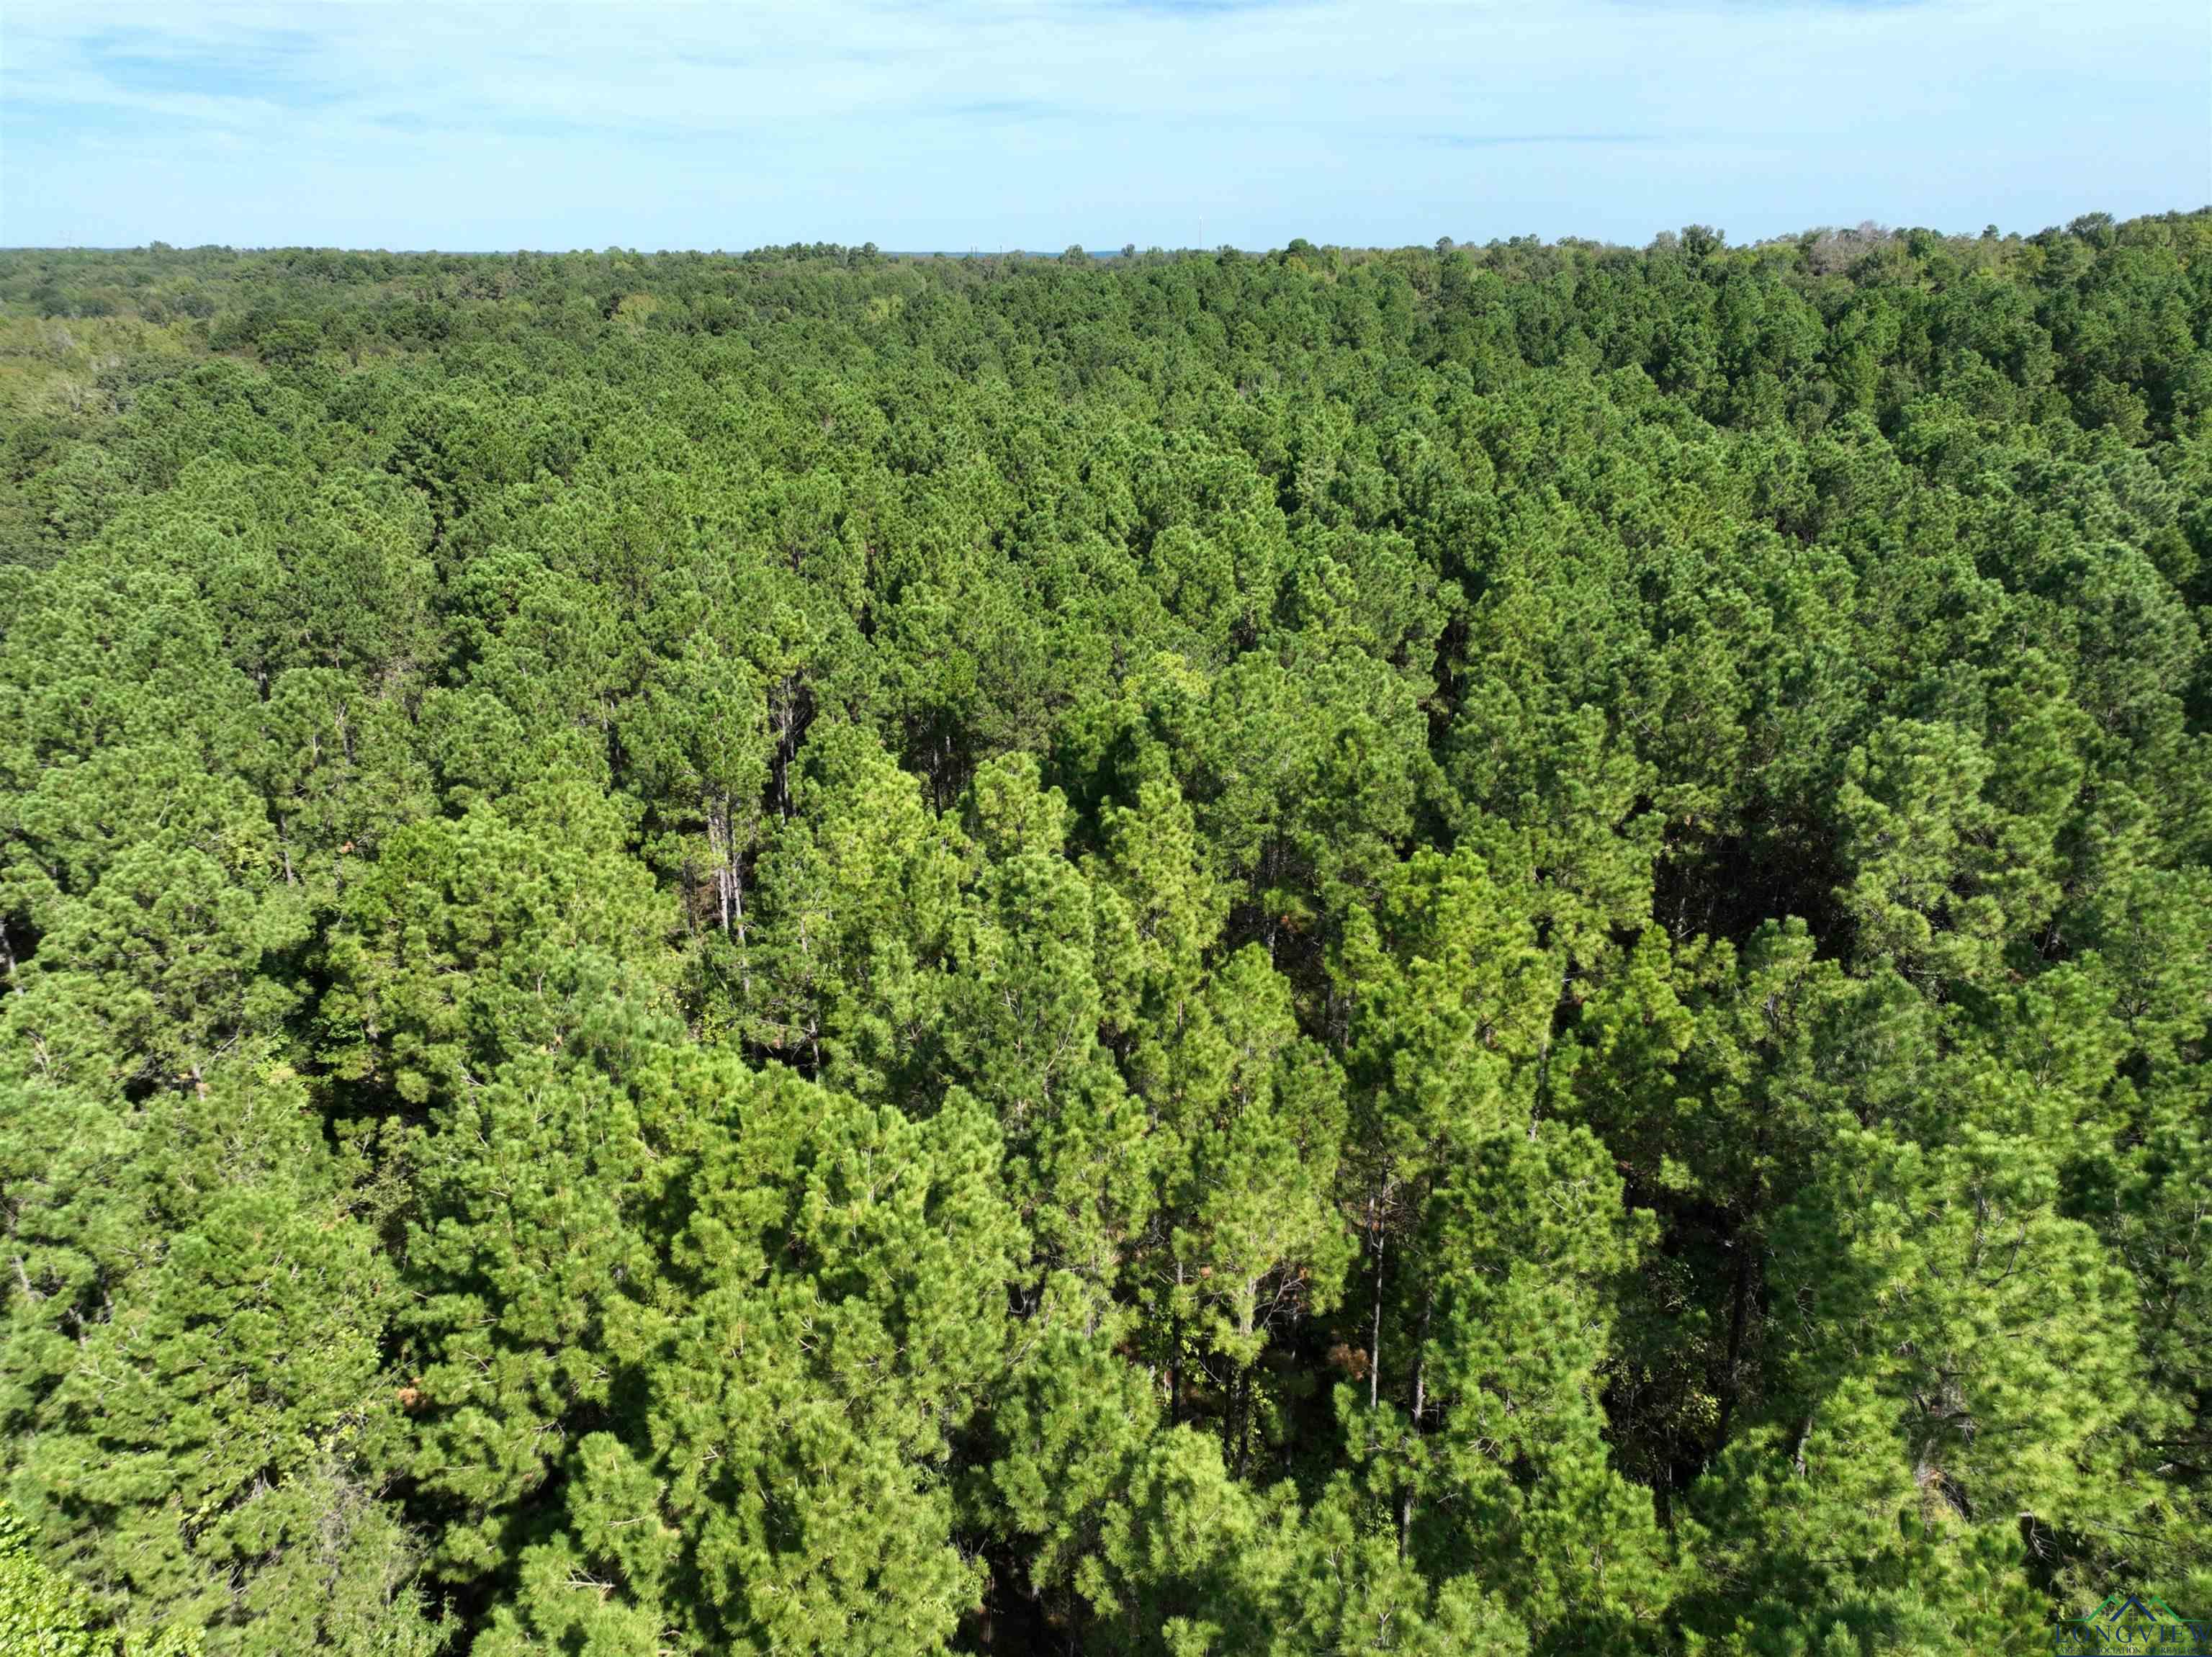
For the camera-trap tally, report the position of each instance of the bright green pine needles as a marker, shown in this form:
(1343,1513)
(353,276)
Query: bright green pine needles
(1499,951)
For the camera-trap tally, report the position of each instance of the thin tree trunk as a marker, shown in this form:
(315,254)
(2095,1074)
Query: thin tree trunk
(1739,1317)
(720,846)
(737,904)
(1420,1403)
(1375,1338)
(1240,1416)
(1174,1356)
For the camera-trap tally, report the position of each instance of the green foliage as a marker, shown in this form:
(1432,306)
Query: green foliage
(1493,949)
(43,1614)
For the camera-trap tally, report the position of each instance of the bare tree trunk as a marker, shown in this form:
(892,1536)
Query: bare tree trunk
(792,709)
(1739,1317)
(1175,1357)
(1420,1403)
(1239,1419)
(1375,1338)
(738,905)
(720,847)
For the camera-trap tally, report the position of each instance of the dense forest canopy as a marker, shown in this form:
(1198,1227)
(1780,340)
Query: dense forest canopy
(1497,950)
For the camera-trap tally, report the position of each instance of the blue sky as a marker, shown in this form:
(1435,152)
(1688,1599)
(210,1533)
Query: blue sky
(1039,123)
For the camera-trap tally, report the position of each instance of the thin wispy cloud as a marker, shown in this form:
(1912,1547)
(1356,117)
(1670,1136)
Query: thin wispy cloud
(274,65)
(1781,5)
(1501,140)
(1036,123)
(1010,109)
(1197,8)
